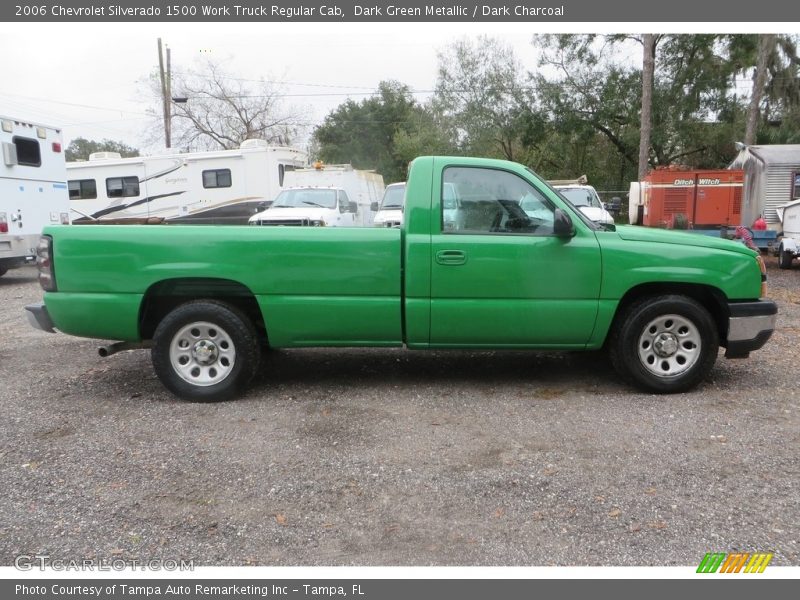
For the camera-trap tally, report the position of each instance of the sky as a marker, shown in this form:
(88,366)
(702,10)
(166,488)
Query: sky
(87,78)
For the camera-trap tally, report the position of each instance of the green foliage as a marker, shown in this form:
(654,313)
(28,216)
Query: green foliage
(579,112)
(480,89)
(363,133)
(80,149)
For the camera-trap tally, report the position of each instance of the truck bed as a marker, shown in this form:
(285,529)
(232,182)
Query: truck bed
(315,286)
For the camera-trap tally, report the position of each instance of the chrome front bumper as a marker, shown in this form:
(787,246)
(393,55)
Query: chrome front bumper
(749,327)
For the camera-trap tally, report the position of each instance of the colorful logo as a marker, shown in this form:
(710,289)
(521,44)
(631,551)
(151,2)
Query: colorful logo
(737,562)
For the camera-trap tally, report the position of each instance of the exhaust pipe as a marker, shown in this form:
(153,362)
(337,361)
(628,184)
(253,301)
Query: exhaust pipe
(110,349)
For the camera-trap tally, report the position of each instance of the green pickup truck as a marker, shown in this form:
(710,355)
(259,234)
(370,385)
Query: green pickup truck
(508,263)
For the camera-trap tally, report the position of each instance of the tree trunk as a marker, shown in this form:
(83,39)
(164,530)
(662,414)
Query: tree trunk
(766,44)
(648,70)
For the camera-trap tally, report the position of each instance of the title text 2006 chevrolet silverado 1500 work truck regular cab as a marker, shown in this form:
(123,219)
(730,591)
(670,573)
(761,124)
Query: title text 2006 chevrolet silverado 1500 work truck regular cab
(507,264)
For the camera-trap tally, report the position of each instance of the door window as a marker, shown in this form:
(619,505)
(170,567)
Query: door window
(489,201)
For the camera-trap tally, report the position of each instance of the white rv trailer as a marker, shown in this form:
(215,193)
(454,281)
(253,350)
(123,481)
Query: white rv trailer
(33,187)
(218,187)
(362,187)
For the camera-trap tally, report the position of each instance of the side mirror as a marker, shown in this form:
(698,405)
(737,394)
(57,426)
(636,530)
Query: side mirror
(374,207)
(562,224)
(352,207)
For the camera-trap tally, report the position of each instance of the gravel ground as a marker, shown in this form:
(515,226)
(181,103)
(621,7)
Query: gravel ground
(388,457)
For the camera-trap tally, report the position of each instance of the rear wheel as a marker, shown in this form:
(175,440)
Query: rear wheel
(205,351)
(664,344)
(784,258)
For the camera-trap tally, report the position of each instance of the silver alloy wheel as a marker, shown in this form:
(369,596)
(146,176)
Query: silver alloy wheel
(202,353)
(669,345)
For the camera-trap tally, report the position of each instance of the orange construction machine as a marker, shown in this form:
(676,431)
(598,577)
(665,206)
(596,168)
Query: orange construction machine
(682,198)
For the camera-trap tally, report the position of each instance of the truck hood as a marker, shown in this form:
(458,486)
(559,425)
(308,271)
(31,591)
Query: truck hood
(392,214)
(637,233)
(598,215)
(279,214)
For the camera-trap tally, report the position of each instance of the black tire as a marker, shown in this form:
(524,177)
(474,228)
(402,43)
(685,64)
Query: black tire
(784,258)
(664,344)
(3,271)
(639,215)
(205,351)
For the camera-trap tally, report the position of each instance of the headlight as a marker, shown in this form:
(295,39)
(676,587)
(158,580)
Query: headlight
(317,223)
(762,265)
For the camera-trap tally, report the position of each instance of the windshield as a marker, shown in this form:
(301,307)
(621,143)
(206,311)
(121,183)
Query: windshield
(393,197)
(305,198)
(580,197)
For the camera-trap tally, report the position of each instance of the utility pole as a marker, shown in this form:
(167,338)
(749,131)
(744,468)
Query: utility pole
(165,93)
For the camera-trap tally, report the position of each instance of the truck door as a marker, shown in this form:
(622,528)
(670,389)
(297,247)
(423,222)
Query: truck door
(499,275)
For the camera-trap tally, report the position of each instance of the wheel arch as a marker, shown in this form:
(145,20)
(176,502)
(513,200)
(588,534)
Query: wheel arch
(709,297)
(164,296)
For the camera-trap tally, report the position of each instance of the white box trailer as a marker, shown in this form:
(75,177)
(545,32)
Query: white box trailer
(363,187)
(771,179)
(218,187)
(33,187)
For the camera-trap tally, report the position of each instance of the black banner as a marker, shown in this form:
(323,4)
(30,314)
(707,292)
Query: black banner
(551,11)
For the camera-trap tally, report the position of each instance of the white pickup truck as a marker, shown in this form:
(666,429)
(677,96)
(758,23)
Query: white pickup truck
(789,247)
(309,206)
(390,209)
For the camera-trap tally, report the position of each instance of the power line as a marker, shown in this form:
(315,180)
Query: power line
(78,105)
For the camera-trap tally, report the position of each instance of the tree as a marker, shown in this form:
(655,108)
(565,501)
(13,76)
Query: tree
(364,133)
(781,111)
(766,45)
(588,91)
(649,41)
(221,111)
(591,104)
(427,132)
(480,88)
(80,149)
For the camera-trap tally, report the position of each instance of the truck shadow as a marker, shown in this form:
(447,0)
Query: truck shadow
(368,367)
(19,276)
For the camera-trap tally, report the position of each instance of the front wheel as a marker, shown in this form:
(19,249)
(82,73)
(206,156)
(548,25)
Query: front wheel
(205,351)
(664,344)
